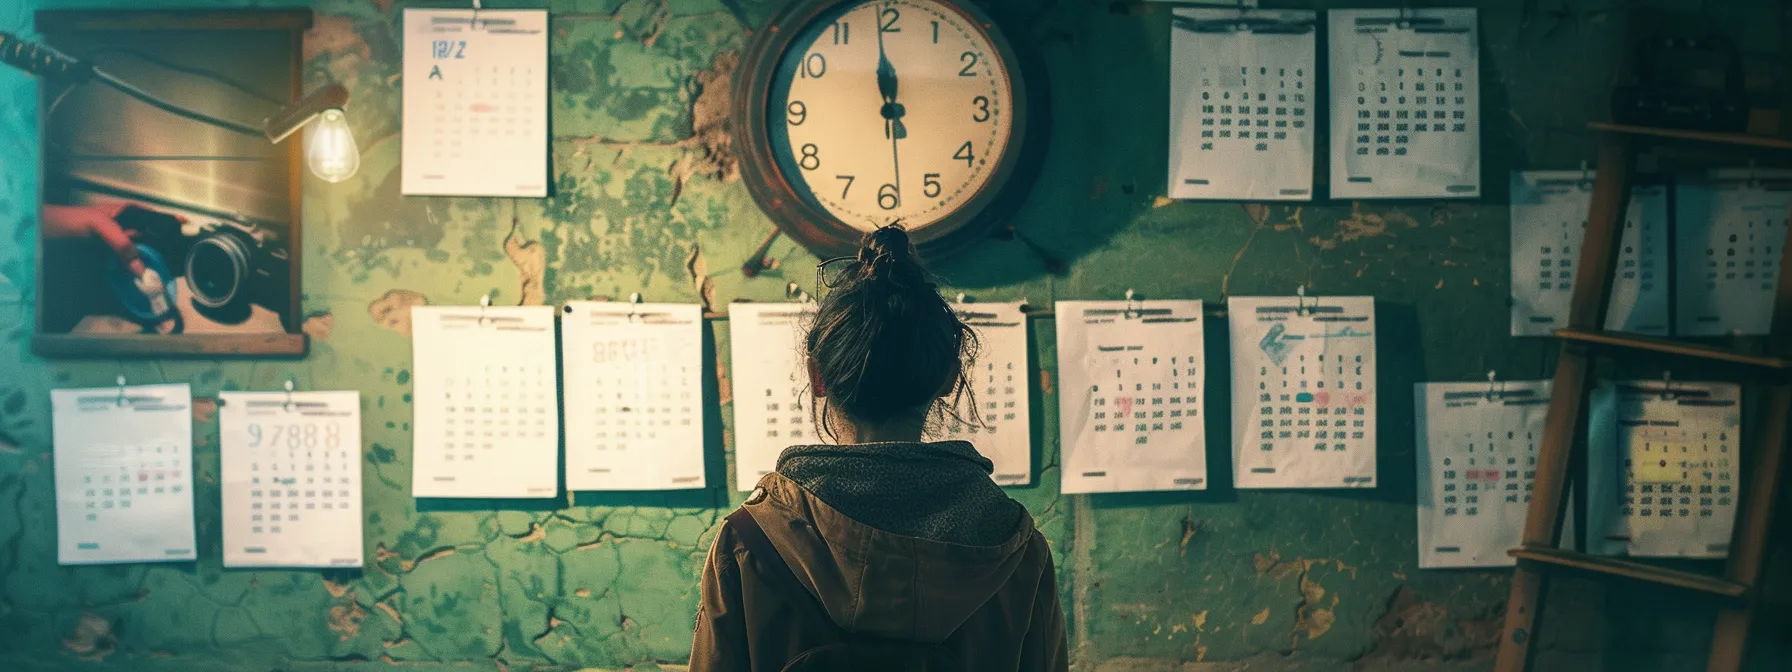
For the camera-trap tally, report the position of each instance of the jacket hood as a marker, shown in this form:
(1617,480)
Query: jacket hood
(881,583)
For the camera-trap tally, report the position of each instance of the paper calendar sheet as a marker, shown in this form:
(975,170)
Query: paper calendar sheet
(475,103)
(1405,93)
(1549,214)
(1667,452)
(1303,391)
(634,396)
(771,387)
(1131,380)
(1241,104)
(487,402)
(1477,457)
(124,474)
(1732,227)
(291,470)
(1001,429)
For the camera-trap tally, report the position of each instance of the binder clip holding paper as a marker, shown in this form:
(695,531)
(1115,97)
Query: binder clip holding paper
(121,390)
(1495,393)
(1667,386)
(634,306)
(1132,307)
(484,303)
(289,386)
(1586,176)
(1300,302)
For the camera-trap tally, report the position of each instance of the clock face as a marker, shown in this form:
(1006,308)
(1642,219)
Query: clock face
(890,110)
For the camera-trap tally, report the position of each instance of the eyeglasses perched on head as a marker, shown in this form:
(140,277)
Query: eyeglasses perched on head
(829,274)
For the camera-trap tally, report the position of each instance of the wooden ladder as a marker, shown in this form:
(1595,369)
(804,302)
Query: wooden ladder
(1567,421)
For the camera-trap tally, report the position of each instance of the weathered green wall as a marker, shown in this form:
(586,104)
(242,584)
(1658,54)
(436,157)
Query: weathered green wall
(647,200)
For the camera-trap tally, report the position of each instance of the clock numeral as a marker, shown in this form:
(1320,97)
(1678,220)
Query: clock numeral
(848,186)
(842,32)
(814,66)
(887,198)
(982,104)
(797,113)
(970,61)
(812,156)
(930,184)
(964,152)
(890,15)
(936,32)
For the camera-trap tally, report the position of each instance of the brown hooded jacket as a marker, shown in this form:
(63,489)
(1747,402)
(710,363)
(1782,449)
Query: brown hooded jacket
(995,607)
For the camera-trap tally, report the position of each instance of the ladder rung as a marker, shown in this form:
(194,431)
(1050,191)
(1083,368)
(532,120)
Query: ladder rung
(1743,139)
(1672,347)
(1633,570)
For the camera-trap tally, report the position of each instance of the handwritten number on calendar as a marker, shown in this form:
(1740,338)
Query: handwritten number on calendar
(605,352)
(306,435)
(455,49)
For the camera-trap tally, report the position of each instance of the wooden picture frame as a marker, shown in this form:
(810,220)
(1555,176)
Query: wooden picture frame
(226,211)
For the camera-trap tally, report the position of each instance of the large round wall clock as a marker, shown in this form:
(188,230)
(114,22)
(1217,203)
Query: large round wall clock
(854,114)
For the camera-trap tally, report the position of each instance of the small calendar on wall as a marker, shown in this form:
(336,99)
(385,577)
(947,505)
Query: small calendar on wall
(1731,231)
(1131,391)
(475,103)
(634,395)
(1241,104)
(1549,220)
(124,474)
(1001,427)
(1405,114)
(771,386)
(486,402)
(1477,458)
(291,470)
(1668,453)
(1303,391)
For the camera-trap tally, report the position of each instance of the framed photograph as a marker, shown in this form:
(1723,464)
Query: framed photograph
(170,226)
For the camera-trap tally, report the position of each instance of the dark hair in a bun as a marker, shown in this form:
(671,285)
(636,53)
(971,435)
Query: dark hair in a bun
(884,341)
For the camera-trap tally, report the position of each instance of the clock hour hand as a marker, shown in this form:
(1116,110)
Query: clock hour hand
(887,87)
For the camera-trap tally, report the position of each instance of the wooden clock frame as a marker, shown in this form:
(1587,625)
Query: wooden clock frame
(814,226)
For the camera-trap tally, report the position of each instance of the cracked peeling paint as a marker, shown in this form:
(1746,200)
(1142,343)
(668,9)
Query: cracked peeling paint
(393,310)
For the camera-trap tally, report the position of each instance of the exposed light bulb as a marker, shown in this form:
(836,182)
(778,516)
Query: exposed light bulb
(330,148)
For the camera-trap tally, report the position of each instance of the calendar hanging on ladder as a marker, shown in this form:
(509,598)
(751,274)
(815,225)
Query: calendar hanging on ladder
(1731,230)
(1549,221)
(1405,90)
(1241,104)
(475,103)
(1669,452)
